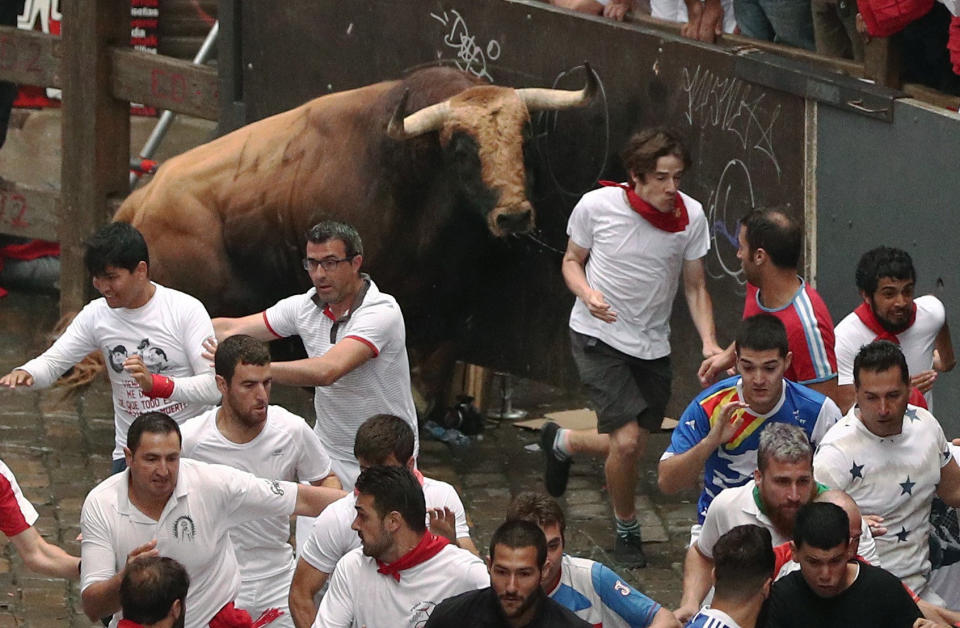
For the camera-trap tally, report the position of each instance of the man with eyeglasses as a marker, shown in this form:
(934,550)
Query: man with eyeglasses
(355,341)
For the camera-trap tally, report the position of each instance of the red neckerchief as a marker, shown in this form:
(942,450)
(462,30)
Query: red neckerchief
(428,547)
(674,222)
(865,313)
(230,617)
(126,623)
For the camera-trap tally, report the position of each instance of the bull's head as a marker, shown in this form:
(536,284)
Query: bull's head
(482,127)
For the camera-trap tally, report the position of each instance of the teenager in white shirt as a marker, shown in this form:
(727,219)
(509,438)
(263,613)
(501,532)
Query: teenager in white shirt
(385,440)
(151,338)
(630,248)
(247,433)
(162,505)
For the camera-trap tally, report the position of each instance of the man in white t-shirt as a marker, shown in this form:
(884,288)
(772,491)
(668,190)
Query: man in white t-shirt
(886,279)
(402,571)
(629,245)
(354,338)
(162,505)
(247,433)
(890,466)
(382,440)
(17,516)
(782,483)
(151,338)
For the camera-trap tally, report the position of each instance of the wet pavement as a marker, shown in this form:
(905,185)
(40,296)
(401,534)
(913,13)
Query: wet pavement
(60,448)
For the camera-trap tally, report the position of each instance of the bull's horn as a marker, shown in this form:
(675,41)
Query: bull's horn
(404,127)
(536,98)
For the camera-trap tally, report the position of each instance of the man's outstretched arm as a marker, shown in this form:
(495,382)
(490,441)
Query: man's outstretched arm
(307,581)
(43,557)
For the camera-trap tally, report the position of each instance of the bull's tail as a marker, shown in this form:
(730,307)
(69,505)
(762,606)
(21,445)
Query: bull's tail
(77,379)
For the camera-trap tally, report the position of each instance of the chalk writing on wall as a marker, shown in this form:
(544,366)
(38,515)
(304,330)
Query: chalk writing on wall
(470,55)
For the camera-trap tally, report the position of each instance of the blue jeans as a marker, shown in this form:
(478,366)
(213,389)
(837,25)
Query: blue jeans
(783,21)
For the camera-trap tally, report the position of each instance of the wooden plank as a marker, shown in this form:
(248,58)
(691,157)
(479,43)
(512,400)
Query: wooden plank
(932,96)
(741,42)
(29,57)
(165,83)
(28,211)
(96,134)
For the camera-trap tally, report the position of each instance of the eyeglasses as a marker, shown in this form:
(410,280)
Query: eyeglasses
(327,265)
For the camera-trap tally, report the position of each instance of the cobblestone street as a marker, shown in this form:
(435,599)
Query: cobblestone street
(59,449)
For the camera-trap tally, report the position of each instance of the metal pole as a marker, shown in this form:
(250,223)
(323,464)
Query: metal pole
(166,118)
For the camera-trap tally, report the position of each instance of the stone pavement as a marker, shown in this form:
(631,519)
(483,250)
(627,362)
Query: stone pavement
(60,448)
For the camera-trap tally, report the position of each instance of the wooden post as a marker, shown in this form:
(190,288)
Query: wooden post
(96,134)
(882,61)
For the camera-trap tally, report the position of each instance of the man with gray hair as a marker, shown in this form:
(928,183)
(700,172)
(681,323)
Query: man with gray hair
(782,483)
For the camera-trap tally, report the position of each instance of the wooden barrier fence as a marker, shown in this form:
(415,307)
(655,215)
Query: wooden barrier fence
(99,75)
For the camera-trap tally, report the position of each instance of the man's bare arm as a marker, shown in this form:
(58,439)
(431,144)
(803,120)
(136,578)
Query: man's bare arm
(828,388)
(700,305)
(311,500)
(846,397)
(682,471)
(665,619)
(307,581)
(949,487)
(714,367)
(326,369)
(944,359)
(252,325)
(42,557)
(331,481)
(697,580)
(102,599)
(573,269)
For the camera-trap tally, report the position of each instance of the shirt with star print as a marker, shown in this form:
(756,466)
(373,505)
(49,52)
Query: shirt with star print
(894,477)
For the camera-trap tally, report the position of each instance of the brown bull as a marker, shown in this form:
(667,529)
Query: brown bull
(226,220)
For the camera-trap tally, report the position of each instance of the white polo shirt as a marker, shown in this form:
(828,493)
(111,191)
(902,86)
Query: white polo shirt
(207,501)
(637,268)
(895,477)
(16,512)
(917,342)
(286,449)
(380,385)
(360,596)
(331,537)
(167,332)
(737,506)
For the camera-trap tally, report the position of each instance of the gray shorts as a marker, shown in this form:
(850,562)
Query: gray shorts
(622,388)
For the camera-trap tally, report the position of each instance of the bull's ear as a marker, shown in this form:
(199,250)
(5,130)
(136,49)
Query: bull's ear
(395,126)
(404,127)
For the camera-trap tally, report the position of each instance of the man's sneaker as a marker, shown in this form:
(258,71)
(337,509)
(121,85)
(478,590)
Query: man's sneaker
(628,551)
(558,468)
